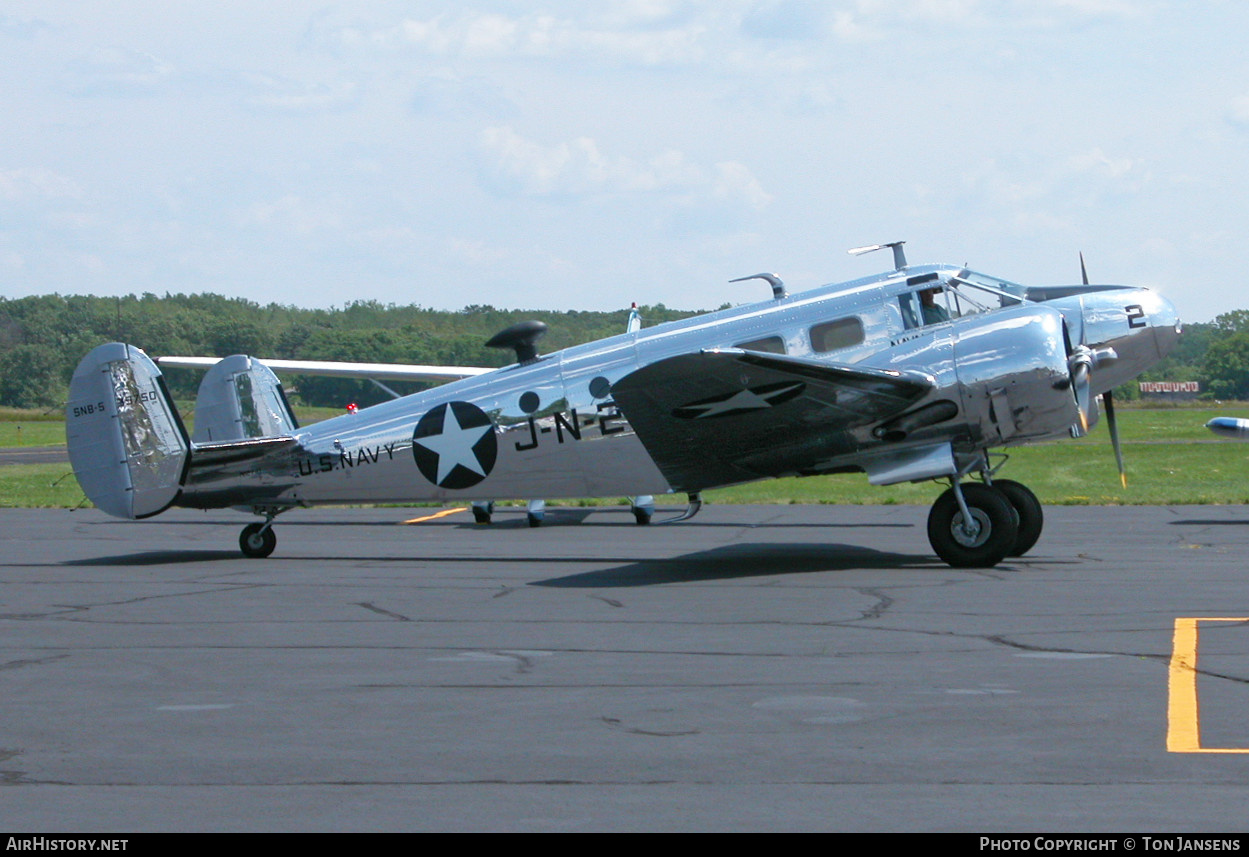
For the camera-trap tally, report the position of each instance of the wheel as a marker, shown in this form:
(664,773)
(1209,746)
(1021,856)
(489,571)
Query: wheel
(1028,508)
(482,512)
(257,541)
(535,512)
(990,540)
(643,507)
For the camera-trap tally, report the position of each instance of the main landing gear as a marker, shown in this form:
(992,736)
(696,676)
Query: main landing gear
(978,525)
(257,541)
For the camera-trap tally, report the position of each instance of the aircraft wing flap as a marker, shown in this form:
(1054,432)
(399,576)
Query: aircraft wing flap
(720,417)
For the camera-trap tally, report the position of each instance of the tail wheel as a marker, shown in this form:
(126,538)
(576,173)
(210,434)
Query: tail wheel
(982,542)
(257,540)
(1028,508)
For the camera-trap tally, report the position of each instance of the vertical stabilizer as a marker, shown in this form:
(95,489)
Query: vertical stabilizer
(126,441)
(239,399)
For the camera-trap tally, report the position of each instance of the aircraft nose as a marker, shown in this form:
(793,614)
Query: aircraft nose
(1163,319)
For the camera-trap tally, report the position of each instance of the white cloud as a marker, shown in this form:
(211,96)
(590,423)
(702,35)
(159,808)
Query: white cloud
(479,35)
(579,168)
(292,213)
(1123,171)
(285,94)
(1238,110)
(22,28)
(475,251)
(120,71)
(1115,8)
(36,183)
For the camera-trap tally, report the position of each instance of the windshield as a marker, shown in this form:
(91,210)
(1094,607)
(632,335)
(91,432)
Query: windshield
(995,283)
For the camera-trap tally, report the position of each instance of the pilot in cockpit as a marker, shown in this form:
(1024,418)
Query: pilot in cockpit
(932,311)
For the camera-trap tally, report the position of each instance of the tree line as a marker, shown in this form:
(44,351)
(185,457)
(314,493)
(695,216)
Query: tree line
(42,338)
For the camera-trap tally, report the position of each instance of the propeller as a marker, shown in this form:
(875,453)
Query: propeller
(1082,362)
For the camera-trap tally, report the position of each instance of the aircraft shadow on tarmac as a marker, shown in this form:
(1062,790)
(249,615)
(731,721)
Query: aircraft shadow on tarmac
(581,517)
(723,563)
(159,557)
(742,561)
(1221,522)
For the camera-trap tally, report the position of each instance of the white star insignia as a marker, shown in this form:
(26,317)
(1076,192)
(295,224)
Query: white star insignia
(454,445)
(741,401)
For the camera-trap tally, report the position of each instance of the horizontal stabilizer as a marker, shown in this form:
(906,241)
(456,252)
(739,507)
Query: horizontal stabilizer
(210,455)
(126,441)
(720,417)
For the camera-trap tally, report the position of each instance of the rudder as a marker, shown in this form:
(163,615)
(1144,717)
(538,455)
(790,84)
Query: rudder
(126,441)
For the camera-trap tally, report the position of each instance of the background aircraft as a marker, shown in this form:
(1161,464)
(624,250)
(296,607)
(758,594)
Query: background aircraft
(843,378)
(1232,427)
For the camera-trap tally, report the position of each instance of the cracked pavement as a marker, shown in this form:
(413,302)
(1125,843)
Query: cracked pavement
(757,668)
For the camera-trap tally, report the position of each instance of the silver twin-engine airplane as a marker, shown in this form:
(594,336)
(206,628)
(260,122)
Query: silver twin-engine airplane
(915,374)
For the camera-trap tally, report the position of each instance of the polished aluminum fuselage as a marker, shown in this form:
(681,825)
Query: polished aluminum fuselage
(560,434)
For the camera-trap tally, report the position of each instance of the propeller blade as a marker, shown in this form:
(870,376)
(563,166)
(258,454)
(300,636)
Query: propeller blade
(1084,274)
(1081,363)
(1109,401)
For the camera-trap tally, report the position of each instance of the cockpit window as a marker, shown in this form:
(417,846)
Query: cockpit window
(833,335)
(966,293)
(769,345)
(995,283)
(971,296)
(923,307)
(991,292)
(933,306)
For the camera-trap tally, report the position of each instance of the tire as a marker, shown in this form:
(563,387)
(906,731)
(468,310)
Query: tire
(642,515)
(483,514)
(257,541)
(534,520)
(1028,508)
(998,527)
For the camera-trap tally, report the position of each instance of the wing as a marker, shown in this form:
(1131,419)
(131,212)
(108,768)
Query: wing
(720,417)
(382,371)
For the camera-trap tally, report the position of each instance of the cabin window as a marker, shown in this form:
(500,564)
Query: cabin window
(832,335)
(768,345)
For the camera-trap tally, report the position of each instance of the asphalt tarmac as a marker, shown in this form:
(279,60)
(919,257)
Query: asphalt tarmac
(757,668)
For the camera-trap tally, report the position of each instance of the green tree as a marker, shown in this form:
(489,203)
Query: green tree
(1225,367)
(30,377)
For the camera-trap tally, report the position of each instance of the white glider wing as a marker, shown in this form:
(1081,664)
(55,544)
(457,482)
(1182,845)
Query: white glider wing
(328,368)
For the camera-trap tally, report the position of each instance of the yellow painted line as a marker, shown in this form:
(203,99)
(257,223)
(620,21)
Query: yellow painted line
(436,515)
(1183,725)
(1183,734)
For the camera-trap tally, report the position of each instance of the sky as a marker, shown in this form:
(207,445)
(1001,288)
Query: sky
(561,155)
